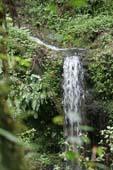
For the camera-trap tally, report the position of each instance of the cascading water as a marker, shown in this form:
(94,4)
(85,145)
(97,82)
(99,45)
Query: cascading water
(73,98)
(39,41)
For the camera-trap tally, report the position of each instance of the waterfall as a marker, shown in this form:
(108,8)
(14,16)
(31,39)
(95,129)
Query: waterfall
(73,98)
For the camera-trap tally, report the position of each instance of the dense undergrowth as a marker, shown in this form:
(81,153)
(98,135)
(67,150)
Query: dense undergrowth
(35,86)
(36,76)
(66,23)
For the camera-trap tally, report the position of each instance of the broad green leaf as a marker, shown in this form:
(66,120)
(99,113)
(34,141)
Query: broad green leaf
(100,151)
(70,155)
(22,61)
(101,166)
(85,139)
(3,56)
(52,7)
(9,136)
(78,3)
(86,128)
(58,120)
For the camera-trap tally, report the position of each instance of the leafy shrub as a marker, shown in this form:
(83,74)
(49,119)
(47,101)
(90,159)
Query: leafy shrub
(27,94)
(107,142)
(83,27)
(102,70)
(28,90)
(19,43)
(69,22)
(107,138)
(27,136)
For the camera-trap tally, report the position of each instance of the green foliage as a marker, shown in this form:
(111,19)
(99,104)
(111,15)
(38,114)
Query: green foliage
(11,152)
(78,3)
(107,139)
(51,78)
(102,69)
(28,90)
(72,155)
(27,94)
(45,159)
(58,120)
(19,43)
(78,23)
(66,22)
(95,166)
(84,28)
(108,107)
(107,150)
(28,136)
(39,153)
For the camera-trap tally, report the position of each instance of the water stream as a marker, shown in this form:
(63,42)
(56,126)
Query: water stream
(73,98)
(41,42)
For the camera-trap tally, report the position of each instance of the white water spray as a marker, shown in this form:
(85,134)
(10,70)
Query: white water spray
(73,97)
